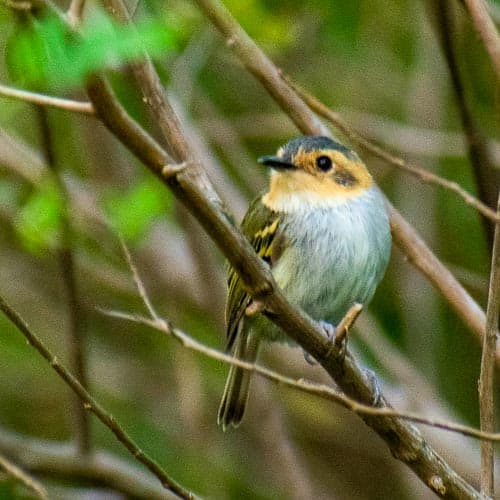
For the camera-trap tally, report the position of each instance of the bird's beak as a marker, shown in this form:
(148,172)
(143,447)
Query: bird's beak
(276,162)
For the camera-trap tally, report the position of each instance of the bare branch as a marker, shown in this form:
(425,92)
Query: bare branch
(487,176)
(17,4)
(75,12)
(261,67)
(486,30)
(320,390)
(487,376)
(138,281)
(45,100)
(92,405)
(101,468)
(417,171)
(347,323)
(14,471)
(76,335)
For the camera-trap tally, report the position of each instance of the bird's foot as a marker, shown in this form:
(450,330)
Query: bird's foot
(330,332)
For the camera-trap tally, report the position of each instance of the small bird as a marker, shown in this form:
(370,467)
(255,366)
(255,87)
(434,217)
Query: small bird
(323,229)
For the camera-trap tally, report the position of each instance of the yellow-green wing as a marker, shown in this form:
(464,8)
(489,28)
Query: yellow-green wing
(261,227)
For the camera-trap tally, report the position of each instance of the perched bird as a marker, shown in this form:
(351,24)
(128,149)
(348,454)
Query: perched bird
(323,229)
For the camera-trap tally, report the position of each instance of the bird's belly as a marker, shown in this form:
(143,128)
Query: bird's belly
(335,262)
(327,284)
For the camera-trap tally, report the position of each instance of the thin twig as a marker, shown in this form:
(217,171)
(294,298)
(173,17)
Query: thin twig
(138,281)
(486,30)
(485,172)
(75,12)
(303,385)
(76,339)
(346,323)
(417,171)
(17,473)
(259,65)
(487,376)
(53,459)
(45,100)
(17,5)
(92,405)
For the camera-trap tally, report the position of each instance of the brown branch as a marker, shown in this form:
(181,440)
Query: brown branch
(260,66)
(487,376)
(485,172)
(302,385)
(17,473)
(54,459)
(67,268)
(404,235)
(487,31)
(75,12)
(417,171)
(17,5)
(45,100)
(90,404)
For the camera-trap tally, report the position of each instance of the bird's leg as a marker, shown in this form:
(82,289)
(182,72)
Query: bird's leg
(330,331)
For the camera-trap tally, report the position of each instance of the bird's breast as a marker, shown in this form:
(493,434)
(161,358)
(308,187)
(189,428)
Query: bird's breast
(334,256)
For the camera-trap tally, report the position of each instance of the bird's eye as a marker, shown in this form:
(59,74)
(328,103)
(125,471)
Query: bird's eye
(324,163)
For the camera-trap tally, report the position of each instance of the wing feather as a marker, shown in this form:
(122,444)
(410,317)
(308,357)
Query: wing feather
(262,228)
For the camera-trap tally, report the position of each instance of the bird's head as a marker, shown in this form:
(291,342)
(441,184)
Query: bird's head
(314,171)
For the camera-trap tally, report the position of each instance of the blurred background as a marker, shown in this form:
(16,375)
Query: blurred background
(381,64)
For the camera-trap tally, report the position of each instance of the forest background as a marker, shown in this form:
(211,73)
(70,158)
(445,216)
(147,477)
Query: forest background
(415,78)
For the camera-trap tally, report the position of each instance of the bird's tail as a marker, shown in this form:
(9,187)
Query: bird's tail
(235,395)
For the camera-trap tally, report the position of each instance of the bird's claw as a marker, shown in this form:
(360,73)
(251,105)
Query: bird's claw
(309,359)
(330,332)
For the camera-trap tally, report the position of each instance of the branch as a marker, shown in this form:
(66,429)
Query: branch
(302,385)
(75,12)
(487,376)
(417,171)
(67,270)
(404,235)
(90,404)
(101,468)
(19,5)
(14,471)
(484,169)
(45,100)
(486,30)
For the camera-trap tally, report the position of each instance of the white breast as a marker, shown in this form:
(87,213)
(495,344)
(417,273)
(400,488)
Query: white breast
(336,255)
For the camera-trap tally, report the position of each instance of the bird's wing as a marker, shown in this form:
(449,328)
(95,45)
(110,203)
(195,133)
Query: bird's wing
(262,228)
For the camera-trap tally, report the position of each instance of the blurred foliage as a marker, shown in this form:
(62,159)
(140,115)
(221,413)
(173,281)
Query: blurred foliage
(50,54)
(39,219)
(376,61)
(133,212)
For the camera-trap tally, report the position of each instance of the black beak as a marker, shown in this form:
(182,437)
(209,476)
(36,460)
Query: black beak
(276,162)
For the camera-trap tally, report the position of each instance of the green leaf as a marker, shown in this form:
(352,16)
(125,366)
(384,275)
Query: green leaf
(133,213)
(48,53)
(39,221)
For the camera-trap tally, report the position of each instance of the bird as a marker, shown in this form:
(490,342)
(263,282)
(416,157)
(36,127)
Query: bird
(323,228)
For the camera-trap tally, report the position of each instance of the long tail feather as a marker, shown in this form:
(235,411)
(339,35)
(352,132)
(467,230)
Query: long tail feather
(235,397)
